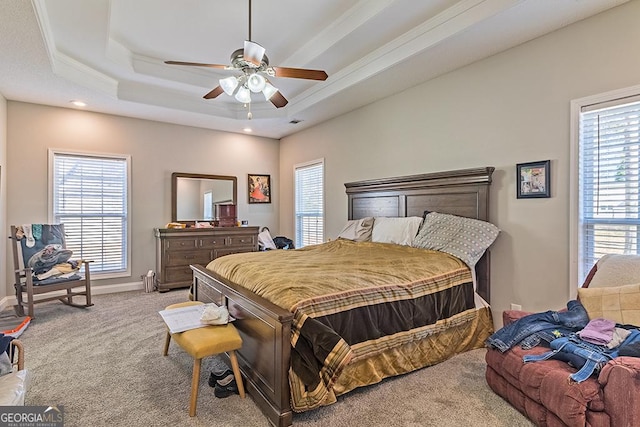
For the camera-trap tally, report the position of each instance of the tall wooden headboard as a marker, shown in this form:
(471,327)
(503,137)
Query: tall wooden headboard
(463,192)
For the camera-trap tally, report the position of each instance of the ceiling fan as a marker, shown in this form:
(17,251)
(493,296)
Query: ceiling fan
(255,70)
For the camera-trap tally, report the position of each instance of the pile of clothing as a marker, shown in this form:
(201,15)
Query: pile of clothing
(43,251)
(585,344)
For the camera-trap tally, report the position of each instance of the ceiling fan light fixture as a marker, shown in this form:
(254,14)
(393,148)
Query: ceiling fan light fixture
(243,95)
(268,91)
(256,82)
(253,53)
(253,71)
(229,84)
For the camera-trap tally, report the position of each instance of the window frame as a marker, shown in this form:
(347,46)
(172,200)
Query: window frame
(320,162)
(51,214)
(576,106)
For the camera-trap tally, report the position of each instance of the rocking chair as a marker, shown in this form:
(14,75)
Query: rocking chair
(42,264)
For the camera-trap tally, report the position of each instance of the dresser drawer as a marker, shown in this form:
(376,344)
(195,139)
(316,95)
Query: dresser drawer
(178,274)
(177,244)
(217,253)
(242,240)
(188,257)
(212,242)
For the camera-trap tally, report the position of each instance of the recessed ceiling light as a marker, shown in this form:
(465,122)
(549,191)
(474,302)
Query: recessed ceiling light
(79,103)
(248,130)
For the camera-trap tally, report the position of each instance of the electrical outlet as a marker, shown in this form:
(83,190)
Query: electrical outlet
(516,306)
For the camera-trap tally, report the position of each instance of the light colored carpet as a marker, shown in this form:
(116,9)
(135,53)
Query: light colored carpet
(104,364)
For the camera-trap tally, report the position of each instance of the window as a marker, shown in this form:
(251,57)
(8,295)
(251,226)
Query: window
(208,205)
(608,185)
(309,203)
(89,195)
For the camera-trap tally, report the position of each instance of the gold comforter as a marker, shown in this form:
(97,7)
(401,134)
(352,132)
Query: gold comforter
(358,302)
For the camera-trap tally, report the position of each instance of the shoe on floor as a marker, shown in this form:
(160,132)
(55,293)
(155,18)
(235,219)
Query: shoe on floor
(222,391)
(219,376)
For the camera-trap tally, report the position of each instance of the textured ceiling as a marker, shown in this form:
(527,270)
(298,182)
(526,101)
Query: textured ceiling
(111,54)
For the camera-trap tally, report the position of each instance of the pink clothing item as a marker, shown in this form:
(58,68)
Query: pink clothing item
(598,331)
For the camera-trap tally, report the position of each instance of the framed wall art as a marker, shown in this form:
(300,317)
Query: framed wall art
(259,188)
(534,179)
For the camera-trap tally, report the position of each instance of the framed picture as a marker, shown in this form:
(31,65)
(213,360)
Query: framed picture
(259,188)
(533,179)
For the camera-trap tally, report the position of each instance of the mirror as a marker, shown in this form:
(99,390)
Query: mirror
(193,196)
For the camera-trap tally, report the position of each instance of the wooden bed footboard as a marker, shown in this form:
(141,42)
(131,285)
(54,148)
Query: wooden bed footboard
(265,329)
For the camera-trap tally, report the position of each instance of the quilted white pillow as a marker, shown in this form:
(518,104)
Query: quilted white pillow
(400,231)
(464,238)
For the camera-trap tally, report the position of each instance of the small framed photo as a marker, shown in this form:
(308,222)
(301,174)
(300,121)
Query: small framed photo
(533,179)
(259,188)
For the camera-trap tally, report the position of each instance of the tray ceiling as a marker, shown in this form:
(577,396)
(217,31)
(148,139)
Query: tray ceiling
(110,53)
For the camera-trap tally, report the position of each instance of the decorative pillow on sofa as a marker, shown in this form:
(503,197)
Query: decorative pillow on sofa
(620,303)
(465,238)
(401,230)
(616,270)
(358,230)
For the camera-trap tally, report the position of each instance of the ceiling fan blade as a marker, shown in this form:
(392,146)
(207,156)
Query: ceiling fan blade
(195,64)
(278,100)
(214,93)
(299,73)
(253,52)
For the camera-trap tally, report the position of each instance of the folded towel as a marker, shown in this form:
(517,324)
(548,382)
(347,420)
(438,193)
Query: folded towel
(598,331)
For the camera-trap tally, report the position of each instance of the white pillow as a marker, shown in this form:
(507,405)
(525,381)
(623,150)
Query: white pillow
(400,231)
(358,230)
(464,238)
(616,270)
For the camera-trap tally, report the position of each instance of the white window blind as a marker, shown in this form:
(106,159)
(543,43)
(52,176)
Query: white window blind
(89,196)
(609,152)
(309,203)
(208,206)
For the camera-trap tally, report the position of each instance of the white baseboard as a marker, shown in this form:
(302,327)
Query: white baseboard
(10,301)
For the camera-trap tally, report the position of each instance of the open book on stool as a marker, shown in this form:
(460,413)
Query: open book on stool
(195,316)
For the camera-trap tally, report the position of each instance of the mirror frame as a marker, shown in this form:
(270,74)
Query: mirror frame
(174,191)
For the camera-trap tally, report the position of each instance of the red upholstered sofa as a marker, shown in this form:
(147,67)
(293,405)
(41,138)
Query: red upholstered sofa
(543,392)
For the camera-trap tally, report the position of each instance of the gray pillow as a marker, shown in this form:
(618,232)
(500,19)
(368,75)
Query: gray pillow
(464,238)
(358,230)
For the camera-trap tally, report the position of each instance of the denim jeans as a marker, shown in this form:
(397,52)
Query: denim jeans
(532,328)
(587,357)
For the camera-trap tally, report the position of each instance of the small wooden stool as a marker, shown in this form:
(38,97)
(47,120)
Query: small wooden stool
(203,342)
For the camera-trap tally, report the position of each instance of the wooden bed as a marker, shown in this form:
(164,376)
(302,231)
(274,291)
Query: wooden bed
(266,328)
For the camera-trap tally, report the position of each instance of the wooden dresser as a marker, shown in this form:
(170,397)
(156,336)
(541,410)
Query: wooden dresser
(176,249)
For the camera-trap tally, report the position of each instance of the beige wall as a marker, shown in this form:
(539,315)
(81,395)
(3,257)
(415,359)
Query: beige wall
(3,187)
(507,109)
(156,149)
